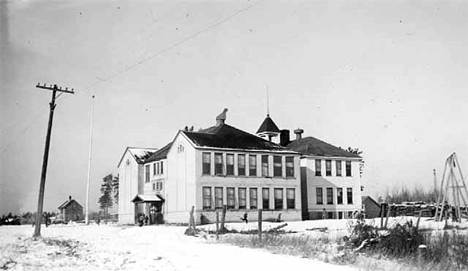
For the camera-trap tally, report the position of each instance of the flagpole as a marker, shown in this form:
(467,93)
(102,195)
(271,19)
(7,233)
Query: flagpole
(89,163)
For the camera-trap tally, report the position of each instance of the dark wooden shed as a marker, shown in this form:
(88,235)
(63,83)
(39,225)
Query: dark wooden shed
(371,207)
(71,210)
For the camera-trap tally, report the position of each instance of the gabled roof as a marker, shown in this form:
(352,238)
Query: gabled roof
(226,136)
(370,198)
(159,154)
(316,147)
(147,198)
(139,154)
(268,126)
(68,202)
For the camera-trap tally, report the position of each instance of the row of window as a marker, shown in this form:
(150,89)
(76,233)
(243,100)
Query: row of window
(222,167)
(328,168)
(158,169)
(339,195)
(157,186)
(239,200)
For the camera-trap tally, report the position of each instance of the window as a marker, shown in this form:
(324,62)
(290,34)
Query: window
(147,173)
(157,171)
(328,167)
(159,186)
(339,196)
(206,198)
(319,192)
(231,199)
(206,163)
(162,167)
(278,198)
(218,163)
(289,166)
(330,215)
(252,165)
(277,166)
(318,167)
(348,168)
(265,198)
(242,198)
(253,198)
(241,165)
(349,192)
(329,195)
(291,198)
(230,164)
(218,197)
(340,215)
(265,165)
(180,149)
(154,186)
(154,169)
(338,168)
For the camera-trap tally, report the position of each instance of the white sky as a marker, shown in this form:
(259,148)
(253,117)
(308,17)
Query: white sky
(387,77)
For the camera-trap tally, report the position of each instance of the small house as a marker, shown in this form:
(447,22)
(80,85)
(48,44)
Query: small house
(71,210)
(371,207)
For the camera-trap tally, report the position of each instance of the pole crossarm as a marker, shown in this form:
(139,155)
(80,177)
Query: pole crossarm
(55,88)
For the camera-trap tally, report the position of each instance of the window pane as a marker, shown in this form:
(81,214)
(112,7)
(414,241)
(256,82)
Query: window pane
(162,167)
(154,169)
(278,198)
(289,166)
(230,164)
(242,198)
(157,166)
(207,163)
(253,198)
(252,165)
(147,173)
(266,198)
(339,192)
(206,198)
(241,164)
(277,166)
(348,168)
(328,167)
(218,197)
(265,165)
(218,163)
(350,195)
(231,200)
(319,193)
(291,198)
(329,195)
(338,168)
(318,167)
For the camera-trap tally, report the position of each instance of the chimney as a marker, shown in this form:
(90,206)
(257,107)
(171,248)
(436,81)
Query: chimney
(298,133)
(69,197)
(221,118)
(284,138)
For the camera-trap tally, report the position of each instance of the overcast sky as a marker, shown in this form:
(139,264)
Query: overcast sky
(387,77)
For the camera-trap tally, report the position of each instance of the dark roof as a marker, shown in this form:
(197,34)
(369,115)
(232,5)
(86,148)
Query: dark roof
(363,198)
(226,136)
(68,202)
(313,146)
(159,154)
(268,125)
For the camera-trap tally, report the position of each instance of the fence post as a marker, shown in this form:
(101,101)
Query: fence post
(260,225)
(381,214)
(223,218)
(419,218)
(388,214)
(217,225)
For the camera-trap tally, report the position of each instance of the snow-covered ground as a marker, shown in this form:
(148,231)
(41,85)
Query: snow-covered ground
(79,247)
(111,247)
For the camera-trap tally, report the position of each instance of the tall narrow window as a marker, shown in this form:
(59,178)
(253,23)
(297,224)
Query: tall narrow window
(218,197)
(319,192)
(241,164)
(230,164)
(252,165)
(253,198)
(328,167)
(154,169)
(329,195)
(349,192)
(338,168)
(265,198)
(339,196)
(265,165)
(206,163)
(162,167)
(291,198)
(348,168)
(206,198)
(231,198)
(147,173)
(318,167)
(278,198)
(277,166)
(218,163)
(289,166)
(242,198)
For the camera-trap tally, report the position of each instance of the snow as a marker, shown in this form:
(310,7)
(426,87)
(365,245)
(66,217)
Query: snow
(104,247)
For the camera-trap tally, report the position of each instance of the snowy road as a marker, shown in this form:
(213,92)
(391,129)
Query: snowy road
(147,248)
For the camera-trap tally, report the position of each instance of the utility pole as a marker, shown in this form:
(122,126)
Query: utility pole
(40,203)
(89,164)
